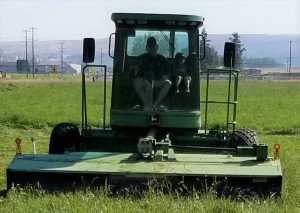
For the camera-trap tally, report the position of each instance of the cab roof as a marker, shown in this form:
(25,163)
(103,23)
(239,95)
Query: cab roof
(146,19)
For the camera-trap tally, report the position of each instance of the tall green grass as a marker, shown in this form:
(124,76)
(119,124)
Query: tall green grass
(152,202)
(46,104)
(262,105)
(38,76)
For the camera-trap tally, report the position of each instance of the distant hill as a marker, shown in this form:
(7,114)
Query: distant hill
(71,49)
(260,46)
(257,46)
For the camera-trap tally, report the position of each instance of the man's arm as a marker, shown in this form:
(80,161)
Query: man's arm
(136,68)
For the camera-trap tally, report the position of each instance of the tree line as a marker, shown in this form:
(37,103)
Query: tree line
(213,59)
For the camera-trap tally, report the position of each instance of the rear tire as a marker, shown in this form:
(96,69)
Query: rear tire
(245,137)
(64,137)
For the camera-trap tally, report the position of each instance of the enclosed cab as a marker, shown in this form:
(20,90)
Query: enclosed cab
(174,34)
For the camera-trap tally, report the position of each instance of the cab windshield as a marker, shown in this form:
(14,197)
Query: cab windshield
(134,76)
(167,47)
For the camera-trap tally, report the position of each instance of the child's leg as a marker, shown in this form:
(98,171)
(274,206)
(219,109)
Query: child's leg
(187,80)
(177,82)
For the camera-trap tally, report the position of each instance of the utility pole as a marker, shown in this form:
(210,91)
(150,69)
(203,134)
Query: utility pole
(290,57)
(26,55)
(32,33)
(61,58)
(101,64)
(101,56)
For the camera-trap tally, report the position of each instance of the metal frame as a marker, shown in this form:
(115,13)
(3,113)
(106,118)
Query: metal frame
(231,74)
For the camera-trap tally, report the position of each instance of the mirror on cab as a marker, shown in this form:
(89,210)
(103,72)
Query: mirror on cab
(88,50)
(229,54)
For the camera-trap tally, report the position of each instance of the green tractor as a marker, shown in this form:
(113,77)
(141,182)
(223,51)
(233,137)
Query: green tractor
(146,144)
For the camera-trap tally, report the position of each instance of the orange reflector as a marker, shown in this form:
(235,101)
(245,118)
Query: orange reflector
(276,153)
(276,146)
(18,141)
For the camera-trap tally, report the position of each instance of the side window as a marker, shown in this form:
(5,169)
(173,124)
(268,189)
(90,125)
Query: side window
(136,44)
(181,43)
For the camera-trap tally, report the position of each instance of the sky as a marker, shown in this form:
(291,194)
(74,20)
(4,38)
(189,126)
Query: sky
(76,19)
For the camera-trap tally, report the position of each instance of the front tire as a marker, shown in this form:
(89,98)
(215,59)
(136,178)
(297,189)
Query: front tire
(245,137)
(64,137)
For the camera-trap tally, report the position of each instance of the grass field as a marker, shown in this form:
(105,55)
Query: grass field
(31,109)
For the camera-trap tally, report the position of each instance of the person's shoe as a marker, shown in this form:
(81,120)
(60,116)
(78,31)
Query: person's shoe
(161,108)
(136,107)
(177,91)
(187,90)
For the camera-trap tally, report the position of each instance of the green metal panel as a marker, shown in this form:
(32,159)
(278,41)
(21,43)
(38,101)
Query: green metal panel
(165,17)
(128,165)
(177,119)
(168,119)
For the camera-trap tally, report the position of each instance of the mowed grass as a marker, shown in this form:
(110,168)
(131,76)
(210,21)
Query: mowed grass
(262,105)
(45,104)
(30,110)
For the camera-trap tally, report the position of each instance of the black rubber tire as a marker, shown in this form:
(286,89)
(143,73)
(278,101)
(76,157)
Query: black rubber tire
(245,137)
(64,137)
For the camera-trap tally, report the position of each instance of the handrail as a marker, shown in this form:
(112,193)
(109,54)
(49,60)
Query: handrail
(231,74)
(84,107)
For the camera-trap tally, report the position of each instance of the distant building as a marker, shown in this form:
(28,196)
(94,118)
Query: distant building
(44,67)
(76,67)
(22,66)
(9,67)
(55,66)
(251,71)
